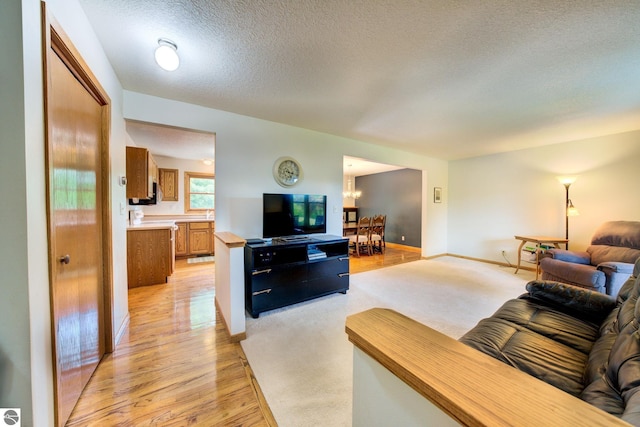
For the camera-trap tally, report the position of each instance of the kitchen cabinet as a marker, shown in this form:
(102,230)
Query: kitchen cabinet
(168,180)
(195,238)
(153,172)
(181,239)
(150,255)
(142,172)
(201,238)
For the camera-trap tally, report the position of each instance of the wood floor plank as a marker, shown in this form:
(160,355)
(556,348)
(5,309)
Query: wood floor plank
(175,365)
(393,254)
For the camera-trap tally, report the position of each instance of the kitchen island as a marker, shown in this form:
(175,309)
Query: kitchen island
(150,253)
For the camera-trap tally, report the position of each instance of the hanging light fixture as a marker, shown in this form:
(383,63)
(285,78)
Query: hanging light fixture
(167,55)
(351,192)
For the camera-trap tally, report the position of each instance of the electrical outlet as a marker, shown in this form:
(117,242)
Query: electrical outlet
(504,253)
(403,238)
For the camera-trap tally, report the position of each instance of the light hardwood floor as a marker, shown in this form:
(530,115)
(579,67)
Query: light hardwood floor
(175,365)
(394,254)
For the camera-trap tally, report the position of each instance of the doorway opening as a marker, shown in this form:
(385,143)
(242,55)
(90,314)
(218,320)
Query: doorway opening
(384,189)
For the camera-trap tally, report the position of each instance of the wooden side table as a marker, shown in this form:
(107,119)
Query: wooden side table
(538,240)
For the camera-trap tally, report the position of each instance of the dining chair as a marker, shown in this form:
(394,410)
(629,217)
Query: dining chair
(376,237)
(361,239)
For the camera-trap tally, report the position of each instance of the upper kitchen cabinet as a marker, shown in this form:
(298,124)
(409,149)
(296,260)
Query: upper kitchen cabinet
(168,180)
(142,172)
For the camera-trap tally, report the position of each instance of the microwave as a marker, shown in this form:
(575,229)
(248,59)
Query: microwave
(154,200)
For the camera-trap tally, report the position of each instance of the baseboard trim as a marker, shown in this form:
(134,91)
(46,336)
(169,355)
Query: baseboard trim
(235,337)
(122,329)
(238,337)
(434,256)
(501,264)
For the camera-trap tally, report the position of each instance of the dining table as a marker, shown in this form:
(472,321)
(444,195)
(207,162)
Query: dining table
(349,228)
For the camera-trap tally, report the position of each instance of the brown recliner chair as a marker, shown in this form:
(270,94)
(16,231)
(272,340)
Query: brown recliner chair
(606,264)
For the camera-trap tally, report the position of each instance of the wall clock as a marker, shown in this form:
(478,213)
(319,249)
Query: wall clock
(287,171)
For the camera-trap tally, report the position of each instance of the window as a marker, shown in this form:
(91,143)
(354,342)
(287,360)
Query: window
(199,191)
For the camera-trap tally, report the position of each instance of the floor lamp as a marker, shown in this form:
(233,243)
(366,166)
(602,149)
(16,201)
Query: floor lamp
(569,209)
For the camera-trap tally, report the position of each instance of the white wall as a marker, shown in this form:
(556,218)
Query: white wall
(183,165)
(246,149)
(382,399)
(25,332)
(493,198)
(24,306)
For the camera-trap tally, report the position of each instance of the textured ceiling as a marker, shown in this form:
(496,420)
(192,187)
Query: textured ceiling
(449,79)
(172,141)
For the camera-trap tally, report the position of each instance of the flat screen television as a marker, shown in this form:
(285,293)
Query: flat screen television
(293,214)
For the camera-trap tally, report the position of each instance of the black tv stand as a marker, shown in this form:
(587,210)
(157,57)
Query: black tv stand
(284,272)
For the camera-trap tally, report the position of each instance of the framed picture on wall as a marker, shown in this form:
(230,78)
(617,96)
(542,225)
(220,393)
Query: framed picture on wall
(437,195)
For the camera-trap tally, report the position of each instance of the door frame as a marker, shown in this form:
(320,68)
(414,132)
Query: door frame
(54,38)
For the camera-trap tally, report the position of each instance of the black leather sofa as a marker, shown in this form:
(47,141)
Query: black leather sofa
(580,341)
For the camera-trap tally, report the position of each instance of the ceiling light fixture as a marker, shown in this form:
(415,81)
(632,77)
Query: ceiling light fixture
(167,55)
(351,193)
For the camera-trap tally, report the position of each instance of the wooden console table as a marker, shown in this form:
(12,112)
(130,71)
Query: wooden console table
(555,241)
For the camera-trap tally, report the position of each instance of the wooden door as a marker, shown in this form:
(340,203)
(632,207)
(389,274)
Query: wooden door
(75,206)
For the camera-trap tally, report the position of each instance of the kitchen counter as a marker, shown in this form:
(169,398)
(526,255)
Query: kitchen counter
(152,225)
(194,234)
(177,218)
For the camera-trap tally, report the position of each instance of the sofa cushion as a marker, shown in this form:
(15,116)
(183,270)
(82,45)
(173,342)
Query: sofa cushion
(575,257)
(535,338)
(615,241)
(603,253)
(624,366)
(618,233)
(599,356)
(584,303)
(612,374)
(585,276)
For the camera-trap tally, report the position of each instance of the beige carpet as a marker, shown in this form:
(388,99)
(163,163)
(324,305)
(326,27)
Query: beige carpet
(301,355)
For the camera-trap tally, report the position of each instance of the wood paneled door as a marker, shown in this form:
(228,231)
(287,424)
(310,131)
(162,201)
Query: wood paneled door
(77,122)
